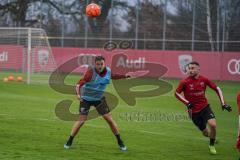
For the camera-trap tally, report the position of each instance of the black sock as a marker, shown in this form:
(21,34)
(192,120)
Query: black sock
(120,142)
(212,141)
(70,140)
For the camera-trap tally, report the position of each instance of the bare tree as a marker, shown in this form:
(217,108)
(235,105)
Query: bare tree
(209,25)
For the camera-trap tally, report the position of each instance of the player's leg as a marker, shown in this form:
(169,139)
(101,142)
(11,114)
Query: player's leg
(112,124)
(202,126)
(78,124)
(212,127)
(114,128)
(199,122)
(212,135)
(84,109)
(210,120)
(212,130)
(104,110)
(201,119)
(205,132)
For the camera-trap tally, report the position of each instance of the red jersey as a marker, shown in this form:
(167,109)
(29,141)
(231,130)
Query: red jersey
(194,92)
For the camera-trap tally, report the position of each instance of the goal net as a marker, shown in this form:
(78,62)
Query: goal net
(26,52)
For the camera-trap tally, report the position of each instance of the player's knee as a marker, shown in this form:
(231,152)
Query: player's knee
(212,125)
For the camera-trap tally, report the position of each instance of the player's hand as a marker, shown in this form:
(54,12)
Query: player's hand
(190,106)
(226,107)
(78,97)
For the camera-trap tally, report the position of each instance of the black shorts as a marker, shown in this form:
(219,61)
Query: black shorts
(200,119)
(101,106)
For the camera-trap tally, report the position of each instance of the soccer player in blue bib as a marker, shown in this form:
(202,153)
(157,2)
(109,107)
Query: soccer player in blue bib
(90,90)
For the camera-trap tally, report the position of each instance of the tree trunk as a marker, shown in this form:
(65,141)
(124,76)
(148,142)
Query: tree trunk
(209,26)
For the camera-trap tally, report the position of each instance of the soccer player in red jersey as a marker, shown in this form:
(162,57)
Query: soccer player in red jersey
(90,91)
(194,88)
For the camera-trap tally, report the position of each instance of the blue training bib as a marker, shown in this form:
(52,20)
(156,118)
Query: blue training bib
(94,90)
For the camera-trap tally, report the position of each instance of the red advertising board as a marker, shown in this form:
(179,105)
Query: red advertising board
(230,66)
(11,57)
(215,65)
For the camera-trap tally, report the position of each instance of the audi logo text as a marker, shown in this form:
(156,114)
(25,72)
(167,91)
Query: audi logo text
(234,66)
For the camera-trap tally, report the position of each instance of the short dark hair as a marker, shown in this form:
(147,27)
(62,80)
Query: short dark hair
(194,62)
(99,58)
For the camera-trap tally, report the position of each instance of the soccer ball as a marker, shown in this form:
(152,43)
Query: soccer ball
(93,10)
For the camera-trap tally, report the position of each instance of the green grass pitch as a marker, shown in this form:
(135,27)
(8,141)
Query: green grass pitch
(30,130)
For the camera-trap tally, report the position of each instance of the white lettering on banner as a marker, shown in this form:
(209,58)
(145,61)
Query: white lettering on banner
(234,66)
(4,56)
(137,63)
(85,60)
